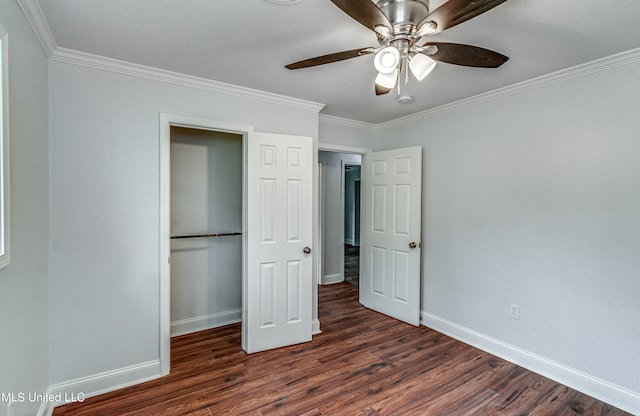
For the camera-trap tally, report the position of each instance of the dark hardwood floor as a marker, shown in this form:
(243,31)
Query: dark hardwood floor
(363,363)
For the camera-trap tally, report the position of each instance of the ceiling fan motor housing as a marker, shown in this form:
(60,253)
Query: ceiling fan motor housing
(404,14)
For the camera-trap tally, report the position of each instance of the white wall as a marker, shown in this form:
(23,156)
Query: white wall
(533,198)
(206,197)
(333,220)
(104,138)
(24,322)
(336,133)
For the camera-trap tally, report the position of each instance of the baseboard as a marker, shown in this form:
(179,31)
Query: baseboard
(617,396)
(85,387)
(315,327)
(201,323)
(329,279)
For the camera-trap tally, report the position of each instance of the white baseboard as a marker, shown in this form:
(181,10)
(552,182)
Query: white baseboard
(315,327)
(85,387)
(617,396)
(201,323)
(329,279)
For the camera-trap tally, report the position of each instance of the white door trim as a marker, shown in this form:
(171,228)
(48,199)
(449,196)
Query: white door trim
(166,121)
(342,199)
(336,148)
(343,190)
(320,236)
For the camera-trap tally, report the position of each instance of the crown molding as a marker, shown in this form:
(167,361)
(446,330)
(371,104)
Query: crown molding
(598,65)
(345,122)
(35,17)
(70,56)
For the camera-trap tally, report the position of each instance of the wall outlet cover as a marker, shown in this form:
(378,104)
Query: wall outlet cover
(514,311)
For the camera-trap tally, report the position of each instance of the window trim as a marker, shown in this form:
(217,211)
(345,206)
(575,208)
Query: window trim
(4,151)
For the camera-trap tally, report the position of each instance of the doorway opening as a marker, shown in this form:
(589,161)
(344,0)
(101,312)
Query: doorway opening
(339,216)
(352,223)
(390,261)
(196,207)
(206,227)
(276,234)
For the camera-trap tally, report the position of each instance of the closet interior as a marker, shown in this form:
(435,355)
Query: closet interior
(206,229)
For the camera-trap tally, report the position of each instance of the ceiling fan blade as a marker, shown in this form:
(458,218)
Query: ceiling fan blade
(332,57)
(466,55)
(365,12)
(382,90)
(455,12)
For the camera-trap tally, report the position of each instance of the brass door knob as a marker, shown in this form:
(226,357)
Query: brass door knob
(412,245)
(306,250)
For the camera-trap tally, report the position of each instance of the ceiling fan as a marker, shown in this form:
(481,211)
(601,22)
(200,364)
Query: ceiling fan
(399,26)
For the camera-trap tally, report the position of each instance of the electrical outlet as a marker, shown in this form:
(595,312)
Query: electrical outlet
(514,311)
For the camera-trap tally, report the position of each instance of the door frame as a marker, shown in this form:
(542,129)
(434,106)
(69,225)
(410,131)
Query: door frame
(343,190)
(344,166)
(166,122)
(334,148)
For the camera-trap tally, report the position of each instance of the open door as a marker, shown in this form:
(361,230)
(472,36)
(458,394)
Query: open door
(390,276)
(277,292)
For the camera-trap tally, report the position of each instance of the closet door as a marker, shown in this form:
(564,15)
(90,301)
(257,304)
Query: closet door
(277,291)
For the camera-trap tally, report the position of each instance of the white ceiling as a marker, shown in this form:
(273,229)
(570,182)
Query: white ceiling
(248,42)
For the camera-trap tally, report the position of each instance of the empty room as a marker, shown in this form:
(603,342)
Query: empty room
(319,207)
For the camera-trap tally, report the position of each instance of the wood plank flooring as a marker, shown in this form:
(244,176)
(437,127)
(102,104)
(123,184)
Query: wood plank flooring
(363,364)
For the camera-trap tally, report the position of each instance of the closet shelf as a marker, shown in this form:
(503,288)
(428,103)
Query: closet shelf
(175,237)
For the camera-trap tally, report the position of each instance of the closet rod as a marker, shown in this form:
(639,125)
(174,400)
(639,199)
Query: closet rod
(204,235)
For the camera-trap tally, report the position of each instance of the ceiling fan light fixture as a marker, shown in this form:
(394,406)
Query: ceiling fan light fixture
(382,30)
(387,80)
(426,29)
(421,66)
(387,59)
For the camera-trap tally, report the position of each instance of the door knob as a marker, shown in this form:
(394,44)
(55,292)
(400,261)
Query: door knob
(412,245)
(306,250)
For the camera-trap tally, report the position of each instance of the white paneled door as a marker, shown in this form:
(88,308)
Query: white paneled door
(390,277)
(277,291)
